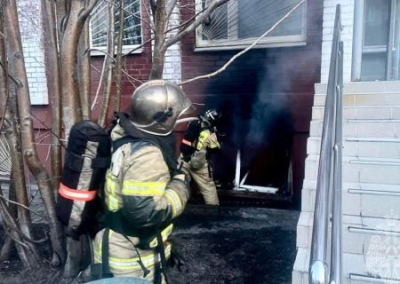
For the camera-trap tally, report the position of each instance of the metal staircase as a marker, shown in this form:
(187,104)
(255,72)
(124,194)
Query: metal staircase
(370,207)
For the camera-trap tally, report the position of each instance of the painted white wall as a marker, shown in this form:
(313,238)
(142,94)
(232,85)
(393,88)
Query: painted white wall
(33,48)
(347,7)
(172,64)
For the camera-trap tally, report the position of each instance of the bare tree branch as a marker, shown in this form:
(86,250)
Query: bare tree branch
(199,20)
(170,8)
(25,207)
(29,150)
(109,65)
(138,47)
(53,74)
(246,49)
(86,12)
(118,67)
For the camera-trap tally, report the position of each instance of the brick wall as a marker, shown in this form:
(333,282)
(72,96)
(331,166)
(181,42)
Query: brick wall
(32,42)
(137,66)
(347,16)
(276,82)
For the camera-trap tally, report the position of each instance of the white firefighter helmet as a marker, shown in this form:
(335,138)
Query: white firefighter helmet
(156,106)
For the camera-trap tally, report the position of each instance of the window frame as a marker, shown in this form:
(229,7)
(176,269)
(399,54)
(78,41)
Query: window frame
(125,48)
(232,44)
(392,70)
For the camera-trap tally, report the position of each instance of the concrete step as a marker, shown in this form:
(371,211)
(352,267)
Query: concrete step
(359,199)
(361,147)
(361,112)
(362,128)
(361,235)
(355,269)
(361,170)
(362,100)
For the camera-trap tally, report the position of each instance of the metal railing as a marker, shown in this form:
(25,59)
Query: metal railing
(329,182)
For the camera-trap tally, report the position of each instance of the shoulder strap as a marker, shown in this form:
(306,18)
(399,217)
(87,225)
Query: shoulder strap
(105,260)
(122,141)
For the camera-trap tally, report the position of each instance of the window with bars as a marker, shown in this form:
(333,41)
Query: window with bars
(239,22)
(132,24)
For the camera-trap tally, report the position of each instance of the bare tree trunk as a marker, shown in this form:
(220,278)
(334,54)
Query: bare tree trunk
(118,69)
(74,22)
(29,150)
(6,249)
(109,65)
(161,24)
(10,226)
(19,180)
(84,71)
(8,244)
(53,81)
(61,14)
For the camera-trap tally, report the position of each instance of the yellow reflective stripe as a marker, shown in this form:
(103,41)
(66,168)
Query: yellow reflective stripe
(111,184)
(140,188)
(202,139)
(175,201)
(132,263)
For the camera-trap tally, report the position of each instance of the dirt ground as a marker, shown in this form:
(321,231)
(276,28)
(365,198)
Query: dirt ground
(220,245)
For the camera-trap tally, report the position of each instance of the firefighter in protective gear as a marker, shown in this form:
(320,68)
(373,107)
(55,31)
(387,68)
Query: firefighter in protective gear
(144,191)
(199,142)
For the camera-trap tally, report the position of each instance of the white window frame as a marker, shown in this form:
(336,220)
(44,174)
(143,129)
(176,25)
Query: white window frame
(125,48)
(234,43)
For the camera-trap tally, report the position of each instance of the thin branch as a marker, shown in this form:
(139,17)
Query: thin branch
(129,12)
(215,4)
(151,24)
(170,7)
(100,83)
(49,129)
(101,51)
(138,47)
(85,12)
(23,206)
(186,22)
(15,80)
(207,76)
(129,76)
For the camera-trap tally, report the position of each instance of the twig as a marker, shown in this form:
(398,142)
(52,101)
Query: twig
(50,130)
(100,83)
(138,47)
(129,76)
(129,12)
(15,80)
(23,206)
(207,76)
(215,4)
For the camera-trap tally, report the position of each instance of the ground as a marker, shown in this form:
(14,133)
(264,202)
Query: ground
(220,245)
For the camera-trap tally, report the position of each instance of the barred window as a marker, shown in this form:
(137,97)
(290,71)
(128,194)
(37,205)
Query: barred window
(132,24)
(238,23)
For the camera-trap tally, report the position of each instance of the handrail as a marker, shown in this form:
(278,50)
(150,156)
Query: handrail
(329,181)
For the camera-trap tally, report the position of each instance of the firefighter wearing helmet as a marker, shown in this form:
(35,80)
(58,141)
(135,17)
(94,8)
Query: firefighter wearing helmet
(199,142)
(144,191)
